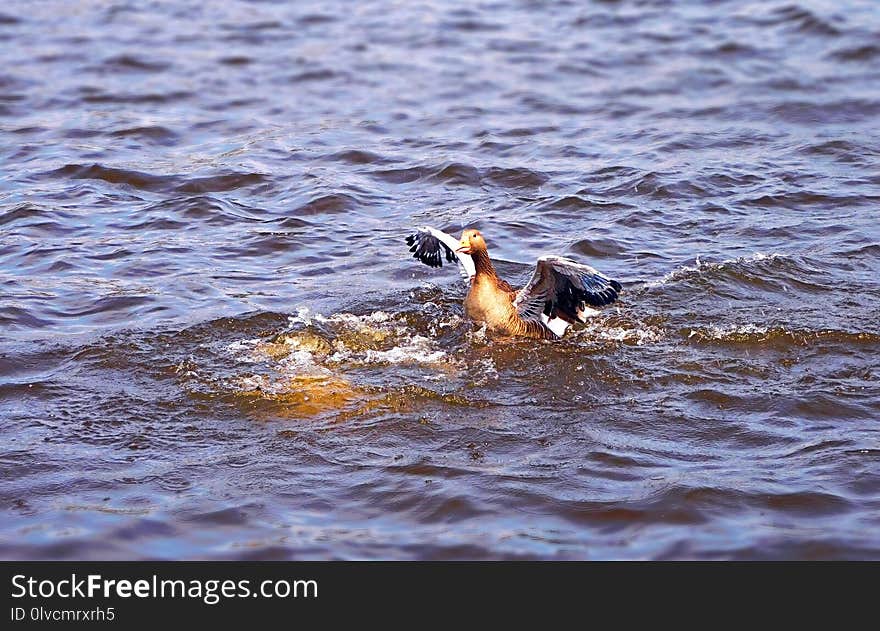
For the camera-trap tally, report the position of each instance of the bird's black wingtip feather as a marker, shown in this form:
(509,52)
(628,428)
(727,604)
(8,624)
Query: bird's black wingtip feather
(450,255)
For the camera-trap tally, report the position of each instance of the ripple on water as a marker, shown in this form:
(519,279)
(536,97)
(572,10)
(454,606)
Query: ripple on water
(173,195)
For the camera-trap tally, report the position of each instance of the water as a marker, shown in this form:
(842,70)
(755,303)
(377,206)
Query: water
(214,344)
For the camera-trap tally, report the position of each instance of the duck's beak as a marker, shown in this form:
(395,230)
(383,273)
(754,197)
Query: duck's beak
(464,247)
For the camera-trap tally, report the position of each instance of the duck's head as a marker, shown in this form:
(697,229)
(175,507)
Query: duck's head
(471,241)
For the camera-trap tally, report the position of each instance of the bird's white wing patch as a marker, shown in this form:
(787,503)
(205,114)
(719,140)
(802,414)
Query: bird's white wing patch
(557,325)
(429,245)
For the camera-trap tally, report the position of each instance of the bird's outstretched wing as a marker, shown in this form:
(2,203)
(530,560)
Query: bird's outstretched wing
(431,246)
(561,288)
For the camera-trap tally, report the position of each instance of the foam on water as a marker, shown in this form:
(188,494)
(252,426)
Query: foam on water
(416,349)
(315,346)
(638,335)
(730,331)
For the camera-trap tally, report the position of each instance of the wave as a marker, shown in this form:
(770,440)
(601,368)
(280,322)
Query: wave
(760,334)
(457,173)
(315,352)
(154,182)
(378,337)
(630,333)
(699,267)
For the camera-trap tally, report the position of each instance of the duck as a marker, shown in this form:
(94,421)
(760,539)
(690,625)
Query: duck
(559,293)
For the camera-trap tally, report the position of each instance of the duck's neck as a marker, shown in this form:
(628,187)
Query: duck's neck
(483,264)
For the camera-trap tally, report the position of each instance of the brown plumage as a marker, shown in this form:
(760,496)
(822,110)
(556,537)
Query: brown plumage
(490,298)
(556,296)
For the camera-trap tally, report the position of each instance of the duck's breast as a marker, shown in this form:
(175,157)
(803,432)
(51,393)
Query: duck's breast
(486,302)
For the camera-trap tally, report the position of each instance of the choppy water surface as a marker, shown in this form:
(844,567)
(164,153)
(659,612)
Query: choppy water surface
(215,345)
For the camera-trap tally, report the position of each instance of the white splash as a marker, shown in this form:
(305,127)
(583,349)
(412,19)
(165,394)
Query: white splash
(352,320)
(301,317)
(486,371)
(639,334)
(416,350)
(377,338)
(301,362)
(245,351)
(715,332)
